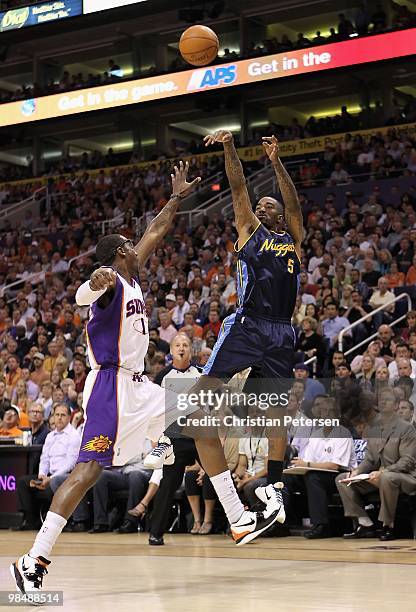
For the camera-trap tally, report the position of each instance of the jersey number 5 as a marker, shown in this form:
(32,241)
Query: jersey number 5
(290,264)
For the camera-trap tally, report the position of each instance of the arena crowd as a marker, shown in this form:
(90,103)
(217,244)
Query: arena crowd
(355,258)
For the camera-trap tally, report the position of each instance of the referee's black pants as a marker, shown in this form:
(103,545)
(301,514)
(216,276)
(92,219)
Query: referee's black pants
(185,454)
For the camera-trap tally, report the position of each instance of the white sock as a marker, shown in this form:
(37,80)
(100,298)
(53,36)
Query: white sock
(225,489)
(47,535)
(365,521)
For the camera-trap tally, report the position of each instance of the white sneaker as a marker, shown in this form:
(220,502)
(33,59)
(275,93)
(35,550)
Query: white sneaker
(161,455)
(272,497)
(28,572)
(250,525)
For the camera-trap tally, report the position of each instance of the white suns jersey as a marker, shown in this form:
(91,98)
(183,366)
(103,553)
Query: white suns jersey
(118,335)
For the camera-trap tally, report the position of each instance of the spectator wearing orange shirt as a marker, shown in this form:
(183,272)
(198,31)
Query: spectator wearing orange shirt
(394,277)
(22,401)
(189,319)
(9,424)
(13,374)
(214,323)
(411,273)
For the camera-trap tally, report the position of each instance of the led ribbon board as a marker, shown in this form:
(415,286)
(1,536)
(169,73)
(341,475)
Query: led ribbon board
(325,57)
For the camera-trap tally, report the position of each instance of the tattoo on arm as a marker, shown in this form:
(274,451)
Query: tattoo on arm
(244,215)
(293,210)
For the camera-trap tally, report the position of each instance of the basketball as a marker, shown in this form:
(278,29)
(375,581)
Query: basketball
(199,45)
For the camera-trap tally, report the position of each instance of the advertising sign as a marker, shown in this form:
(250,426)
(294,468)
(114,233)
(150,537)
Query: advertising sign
(39,13)
(303,61)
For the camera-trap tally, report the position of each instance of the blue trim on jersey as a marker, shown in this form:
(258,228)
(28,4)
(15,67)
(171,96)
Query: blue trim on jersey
(224,331)
(242,280)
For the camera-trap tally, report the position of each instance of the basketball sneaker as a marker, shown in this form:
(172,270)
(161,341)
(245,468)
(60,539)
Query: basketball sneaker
(250,525)
(161,455)
(28,573)
(272,497)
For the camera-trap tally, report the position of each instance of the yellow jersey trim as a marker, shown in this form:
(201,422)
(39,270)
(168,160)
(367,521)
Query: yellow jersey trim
(237,250)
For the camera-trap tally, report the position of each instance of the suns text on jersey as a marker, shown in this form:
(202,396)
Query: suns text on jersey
(135,306)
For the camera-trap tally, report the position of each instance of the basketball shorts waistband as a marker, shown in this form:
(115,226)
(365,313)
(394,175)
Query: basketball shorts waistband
(136,376)
(255,315)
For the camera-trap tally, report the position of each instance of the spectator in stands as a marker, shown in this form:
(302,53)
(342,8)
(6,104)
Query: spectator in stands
(366,373)
(50,360)
(391,465)
(374,349)
(38,426)
(339,176)
(214,323)
(411,273)
(180,310)
(79,373)
(59,454)
(31,388)
(311,387)
(381,297)
(166,330)
(394,277)
(405,411)
(45,397)
(252,464)
(311,343)
(359,285)
(336,360)
(329,448)
(132,477)
(21,400)
(333,324)
(402,352)
(13,373)
(9,425)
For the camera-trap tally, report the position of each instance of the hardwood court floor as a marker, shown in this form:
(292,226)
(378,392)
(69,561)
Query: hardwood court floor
(121,573)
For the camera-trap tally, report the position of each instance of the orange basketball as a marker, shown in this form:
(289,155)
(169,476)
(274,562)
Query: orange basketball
(199,45)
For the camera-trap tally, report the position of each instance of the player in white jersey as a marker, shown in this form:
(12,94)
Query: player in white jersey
(122,406)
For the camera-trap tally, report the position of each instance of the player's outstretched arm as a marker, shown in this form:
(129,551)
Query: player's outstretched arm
(245,219)
(293,210)
(161,224)
(102,281)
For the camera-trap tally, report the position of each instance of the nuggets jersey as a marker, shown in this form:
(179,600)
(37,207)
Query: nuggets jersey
(118,335)
(267,275)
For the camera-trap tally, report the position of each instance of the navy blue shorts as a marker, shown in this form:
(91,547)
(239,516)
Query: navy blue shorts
(244,341)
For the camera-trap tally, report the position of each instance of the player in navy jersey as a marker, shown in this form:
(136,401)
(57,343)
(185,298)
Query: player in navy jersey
(268,248)
(259,334)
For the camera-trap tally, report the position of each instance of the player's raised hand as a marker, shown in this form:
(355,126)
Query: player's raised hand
(271,146)
(103,278)
(219,136)
(180,187)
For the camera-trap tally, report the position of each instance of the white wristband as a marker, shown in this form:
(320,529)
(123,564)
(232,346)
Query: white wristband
(86,296)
